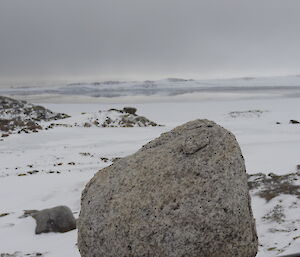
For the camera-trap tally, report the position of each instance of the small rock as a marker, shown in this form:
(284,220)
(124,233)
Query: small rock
(33,172)
(115,159)
(130,110)
(104,159)
(57,219)
(87,125)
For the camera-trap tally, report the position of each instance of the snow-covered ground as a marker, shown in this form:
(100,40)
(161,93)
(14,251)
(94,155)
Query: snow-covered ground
(63,159)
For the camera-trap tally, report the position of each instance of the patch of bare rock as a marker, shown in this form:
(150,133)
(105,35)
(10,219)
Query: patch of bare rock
(182,194)
(20,254)
(19,116)
(246,114)
(271,185)
(125,118)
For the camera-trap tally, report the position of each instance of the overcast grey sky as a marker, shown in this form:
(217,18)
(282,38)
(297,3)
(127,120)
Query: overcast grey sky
(139,39)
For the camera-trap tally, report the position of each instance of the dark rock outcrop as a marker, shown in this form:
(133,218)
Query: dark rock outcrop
(125,118)
(130,110)
(294,122)
(20,116)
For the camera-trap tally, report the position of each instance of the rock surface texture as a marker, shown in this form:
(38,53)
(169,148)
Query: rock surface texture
(57,219)
(183,194)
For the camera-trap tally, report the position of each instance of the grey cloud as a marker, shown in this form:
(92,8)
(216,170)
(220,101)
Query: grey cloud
(138,38)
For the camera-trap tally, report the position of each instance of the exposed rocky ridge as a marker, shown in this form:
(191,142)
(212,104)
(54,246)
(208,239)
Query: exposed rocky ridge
(18,116)
(280,216)
(20,254)
(246,114)
(182,194)
(272,185)
(125,118)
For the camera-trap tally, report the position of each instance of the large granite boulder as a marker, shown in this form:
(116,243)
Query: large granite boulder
(182,194)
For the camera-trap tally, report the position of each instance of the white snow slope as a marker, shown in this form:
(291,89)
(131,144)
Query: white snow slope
(67,157)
